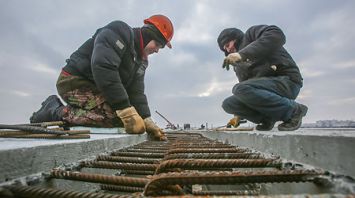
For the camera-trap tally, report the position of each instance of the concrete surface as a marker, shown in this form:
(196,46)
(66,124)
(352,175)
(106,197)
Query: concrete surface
(329,149)
(23,157)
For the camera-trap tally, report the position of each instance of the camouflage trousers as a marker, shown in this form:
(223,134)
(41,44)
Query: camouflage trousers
(86,106)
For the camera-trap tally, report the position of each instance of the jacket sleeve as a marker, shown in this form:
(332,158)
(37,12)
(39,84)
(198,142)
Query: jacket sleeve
(106,58)
(263,40)
(137,95)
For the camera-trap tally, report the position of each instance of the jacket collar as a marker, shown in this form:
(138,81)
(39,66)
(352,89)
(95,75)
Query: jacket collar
(138,44)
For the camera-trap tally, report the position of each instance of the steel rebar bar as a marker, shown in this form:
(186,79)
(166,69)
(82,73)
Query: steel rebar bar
(127,159)
(118,165)
(203,164)
(36,192)
(99,178)
(191,177)
(33,129)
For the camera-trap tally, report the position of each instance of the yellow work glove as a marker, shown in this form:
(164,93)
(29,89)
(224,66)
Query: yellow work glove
(232,58)
(153,130)
(132,121)
(234,122)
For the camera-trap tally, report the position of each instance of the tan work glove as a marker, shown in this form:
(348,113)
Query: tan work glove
(232,58)
(234,122)
(132,121)
(153,130)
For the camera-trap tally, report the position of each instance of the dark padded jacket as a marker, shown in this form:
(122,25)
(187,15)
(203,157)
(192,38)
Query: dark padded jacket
(262,49)
(112,60)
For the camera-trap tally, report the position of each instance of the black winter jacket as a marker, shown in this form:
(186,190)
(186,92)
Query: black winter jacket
(112,60)
(262,49)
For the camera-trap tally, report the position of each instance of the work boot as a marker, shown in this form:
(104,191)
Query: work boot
(296,120)
(265,125)
(51,110)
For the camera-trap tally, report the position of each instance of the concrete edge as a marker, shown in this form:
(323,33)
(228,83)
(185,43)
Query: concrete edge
(334,154)
(17,163)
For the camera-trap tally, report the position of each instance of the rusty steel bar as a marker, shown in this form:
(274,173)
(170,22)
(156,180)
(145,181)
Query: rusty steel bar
(135,154)
(195,177)
(153,143)
(9,133)
(208,150)
(202,146)
(214,156)
(46,124)
(143,151)
(118,165)
(209,143)
(121,188)
(136,172)
(127,159)
(178,134)
(159,146)
(48,136)
(76,132)
(271,196)
(19,132)
(151,148)
(203,164)
(36,192)
(99,178)
(230,192)
(163,147)
(33,129)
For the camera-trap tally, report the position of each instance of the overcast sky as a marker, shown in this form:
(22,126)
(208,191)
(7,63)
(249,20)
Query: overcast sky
(186,84)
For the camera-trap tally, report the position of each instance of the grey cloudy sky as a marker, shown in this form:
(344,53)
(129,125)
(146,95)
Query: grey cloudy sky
(187,83)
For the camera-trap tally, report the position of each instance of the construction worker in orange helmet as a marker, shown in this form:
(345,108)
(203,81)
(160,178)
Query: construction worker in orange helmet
(103,81)
(164,25)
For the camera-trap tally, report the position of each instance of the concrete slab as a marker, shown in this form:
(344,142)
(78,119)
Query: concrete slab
(329,149)
(23,157)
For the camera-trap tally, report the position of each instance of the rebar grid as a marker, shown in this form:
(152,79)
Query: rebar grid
(183,152)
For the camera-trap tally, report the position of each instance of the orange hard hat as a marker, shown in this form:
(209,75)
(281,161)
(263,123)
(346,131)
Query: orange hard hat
(164,25)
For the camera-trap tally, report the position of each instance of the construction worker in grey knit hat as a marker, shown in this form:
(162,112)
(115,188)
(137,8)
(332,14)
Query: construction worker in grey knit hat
(269,79)
(103,81)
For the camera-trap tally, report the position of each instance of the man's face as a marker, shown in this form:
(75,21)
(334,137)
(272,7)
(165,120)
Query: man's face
(230,47)
(152,47)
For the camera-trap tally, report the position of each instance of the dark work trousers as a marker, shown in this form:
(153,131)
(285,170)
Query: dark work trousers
(263,99)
